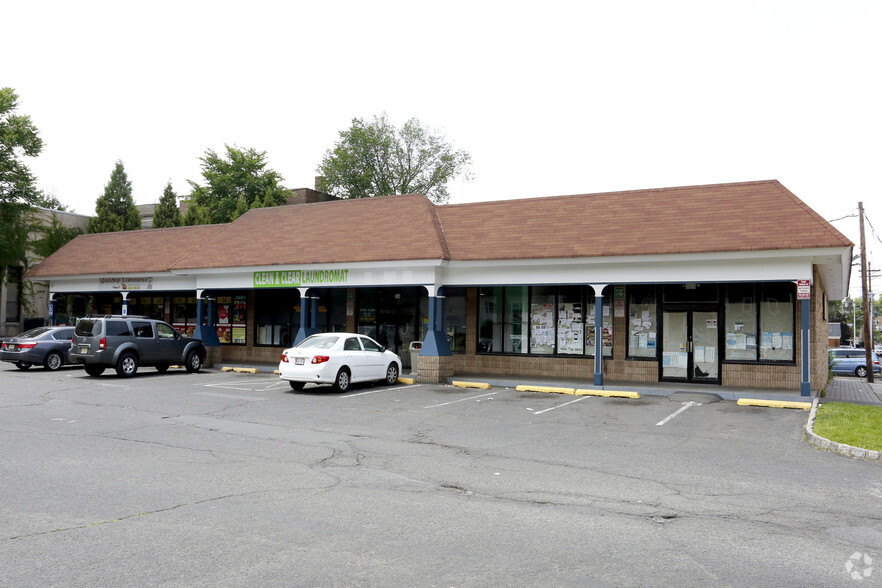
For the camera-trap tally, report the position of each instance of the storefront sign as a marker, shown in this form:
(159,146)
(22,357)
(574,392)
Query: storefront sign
(142,283)
(803,290)
(295,278)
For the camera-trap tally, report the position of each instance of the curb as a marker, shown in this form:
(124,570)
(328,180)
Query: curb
(840,448)
(479,385)
(552,389)
(407,380)
(607,393)
(240,370)
(774,403)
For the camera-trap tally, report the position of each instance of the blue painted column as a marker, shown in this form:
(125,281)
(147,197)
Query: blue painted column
(805,387)
(207,332)
(125,304)
(303,331)
(51,309)
(598,335)
(436,344)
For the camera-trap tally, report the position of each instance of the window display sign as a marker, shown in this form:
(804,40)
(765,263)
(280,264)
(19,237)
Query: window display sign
(570,328)
(541,328)
(231,319)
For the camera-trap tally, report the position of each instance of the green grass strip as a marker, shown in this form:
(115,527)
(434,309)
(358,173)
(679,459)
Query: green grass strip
(852,424)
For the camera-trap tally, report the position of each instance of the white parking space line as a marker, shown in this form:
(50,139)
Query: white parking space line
(460,400)
(382,390)
(682,408)
(225,387)
(230,396)
(580,398)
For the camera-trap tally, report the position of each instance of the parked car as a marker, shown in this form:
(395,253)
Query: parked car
(127,342)
(46,346)
(339,359)
(847,360)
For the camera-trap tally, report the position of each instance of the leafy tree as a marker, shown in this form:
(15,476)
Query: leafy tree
(377,159)
(52,236)
(116,209)
(233,184)
(19,138)
(166,213)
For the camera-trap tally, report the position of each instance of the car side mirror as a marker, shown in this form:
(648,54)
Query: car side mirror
(382,349)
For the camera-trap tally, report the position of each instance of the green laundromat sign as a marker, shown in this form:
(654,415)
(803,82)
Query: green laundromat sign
(296,278)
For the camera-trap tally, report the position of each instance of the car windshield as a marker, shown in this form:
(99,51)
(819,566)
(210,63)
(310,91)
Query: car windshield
(34,333)
(318,342)
(88,328)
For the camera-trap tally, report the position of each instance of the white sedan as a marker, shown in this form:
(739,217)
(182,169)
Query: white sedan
(339,359)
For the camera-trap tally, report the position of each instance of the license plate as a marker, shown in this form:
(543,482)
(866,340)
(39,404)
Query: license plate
(84,350)
(298,361)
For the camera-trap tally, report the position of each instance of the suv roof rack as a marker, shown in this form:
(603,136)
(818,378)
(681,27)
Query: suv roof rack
(118,316)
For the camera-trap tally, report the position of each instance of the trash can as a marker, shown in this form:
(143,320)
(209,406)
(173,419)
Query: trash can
(415,347)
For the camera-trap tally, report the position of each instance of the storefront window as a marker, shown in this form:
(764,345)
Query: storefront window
(331,309)
(184,314)
(741,309)
(277,314)
(514,320)
(455,318)
(541,320)
(769,305)
(571,321)
(606,326)
(231,319)
(776,322)
(642,322)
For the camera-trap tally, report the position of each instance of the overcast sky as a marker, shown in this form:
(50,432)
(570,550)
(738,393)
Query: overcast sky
(549,97)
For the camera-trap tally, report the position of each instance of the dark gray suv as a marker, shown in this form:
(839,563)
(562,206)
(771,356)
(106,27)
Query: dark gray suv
(126,342)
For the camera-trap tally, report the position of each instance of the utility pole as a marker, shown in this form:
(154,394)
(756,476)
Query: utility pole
(868,339)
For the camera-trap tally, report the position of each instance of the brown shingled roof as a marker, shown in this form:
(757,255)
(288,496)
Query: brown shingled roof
(749,216)
(148,250)
(387,228)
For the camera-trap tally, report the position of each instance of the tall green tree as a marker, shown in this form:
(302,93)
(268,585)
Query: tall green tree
(115,210)
(233,183)
(374,158)
(167,213)
(19,139)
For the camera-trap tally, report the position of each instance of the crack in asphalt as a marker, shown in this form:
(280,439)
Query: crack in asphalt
(131,516)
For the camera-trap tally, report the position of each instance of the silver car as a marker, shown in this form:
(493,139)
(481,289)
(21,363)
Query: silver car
(46,346)
(847,360)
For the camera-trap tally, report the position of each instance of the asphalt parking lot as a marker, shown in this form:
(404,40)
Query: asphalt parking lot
(233,479)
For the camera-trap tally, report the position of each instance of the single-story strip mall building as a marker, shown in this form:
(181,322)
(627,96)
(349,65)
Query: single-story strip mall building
(720,284)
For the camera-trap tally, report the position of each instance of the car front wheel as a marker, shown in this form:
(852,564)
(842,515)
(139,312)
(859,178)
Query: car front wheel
(127,366)
(194,362)
(392,374)
(341,382)
(860,371)
(297,385)
(23,365)
(53,361)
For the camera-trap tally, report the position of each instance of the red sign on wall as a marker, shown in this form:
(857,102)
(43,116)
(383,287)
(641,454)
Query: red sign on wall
(803,289)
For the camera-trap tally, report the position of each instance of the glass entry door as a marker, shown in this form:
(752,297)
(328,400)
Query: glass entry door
(690,349)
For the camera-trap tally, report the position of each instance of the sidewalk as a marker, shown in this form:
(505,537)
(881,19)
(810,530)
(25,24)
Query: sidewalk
(854,390)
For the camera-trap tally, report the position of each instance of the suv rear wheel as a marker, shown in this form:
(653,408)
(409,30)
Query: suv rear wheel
(94,370)
(127,365)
